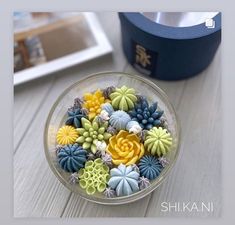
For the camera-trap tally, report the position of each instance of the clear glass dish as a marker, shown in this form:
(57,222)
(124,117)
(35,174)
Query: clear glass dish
(57,116)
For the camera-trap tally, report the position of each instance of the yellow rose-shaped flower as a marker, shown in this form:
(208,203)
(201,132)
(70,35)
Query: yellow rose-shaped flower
(66,135)
(93,103)
(125,148)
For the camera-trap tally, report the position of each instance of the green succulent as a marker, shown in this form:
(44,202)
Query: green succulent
(91,132)
(158,141)
(123,98)
(94,177)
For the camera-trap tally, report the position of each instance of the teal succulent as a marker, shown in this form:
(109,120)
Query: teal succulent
(72,157)
(74,117)
(146,115)
(91,132)
(150,167)
(94,176)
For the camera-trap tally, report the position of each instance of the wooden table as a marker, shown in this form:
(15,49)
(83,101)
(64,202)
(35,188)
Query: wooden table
(196,176)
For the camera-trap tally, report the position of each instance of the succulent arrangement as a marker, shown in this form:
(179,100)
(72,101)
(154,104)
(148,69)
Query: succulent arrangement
(114,142)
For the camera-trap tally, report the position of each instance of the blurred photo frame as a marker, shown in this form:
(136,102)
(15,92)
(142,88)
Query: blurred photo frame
(55,41)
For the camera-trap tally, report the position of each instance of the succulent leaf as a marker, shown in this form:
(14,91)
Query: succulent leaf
(74,117)
(147,116)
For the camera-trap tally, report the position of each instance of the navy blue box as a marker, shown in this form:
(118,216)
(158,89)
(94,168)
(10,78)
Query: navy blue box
(165,52)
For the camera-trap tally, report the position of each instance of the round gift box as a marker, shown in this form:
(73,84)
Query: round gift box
(168,52)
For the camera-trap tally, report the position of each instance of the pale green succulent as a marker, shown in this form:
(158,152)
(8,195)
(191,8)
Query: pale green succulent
(94,177)
(123,98)
(91,132)
(158,141)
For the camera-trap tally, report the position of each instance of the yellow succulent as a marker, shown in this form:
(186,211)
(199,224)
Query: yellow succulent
(125,148)
(66,135)
(93,103)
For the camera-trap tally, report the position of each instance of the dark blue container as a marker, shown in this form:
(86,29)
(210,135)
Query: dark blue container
(166,52)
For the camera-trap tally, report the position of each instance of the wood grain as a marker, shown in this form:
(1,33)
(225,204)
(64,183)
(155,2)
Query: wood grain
(27,102)
(196,175)
(32,176)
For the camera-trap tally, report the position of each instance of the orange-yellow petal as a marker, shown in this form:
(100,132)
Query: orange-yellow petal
(141,150)
(93,103)
(136,147)
(119,161)
(122,133)
(112,152)
(87,96)
(132,161)
(91,115)
(133,137)
(130,154)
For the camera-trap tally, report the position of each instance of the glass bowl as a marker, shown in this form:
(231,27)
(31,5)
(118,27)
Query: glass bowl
(57,116)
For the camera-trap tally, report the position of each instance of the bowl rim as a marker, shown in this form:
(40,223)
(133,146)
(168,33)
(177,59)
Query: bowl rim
(137,195)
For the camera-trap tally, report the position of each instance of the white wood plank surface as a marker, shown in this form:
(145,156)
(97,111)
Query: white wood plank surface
(27,101)
(196,176)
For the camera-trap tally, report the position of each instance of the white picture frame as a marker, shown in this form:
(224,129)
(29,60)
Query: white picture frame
(101,48)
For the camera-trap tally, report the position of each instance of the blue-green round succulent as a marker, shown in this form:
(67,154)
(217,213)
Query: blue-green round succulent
(119,120)
(74,117)
(150,167)
(72,157)
(147,116)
